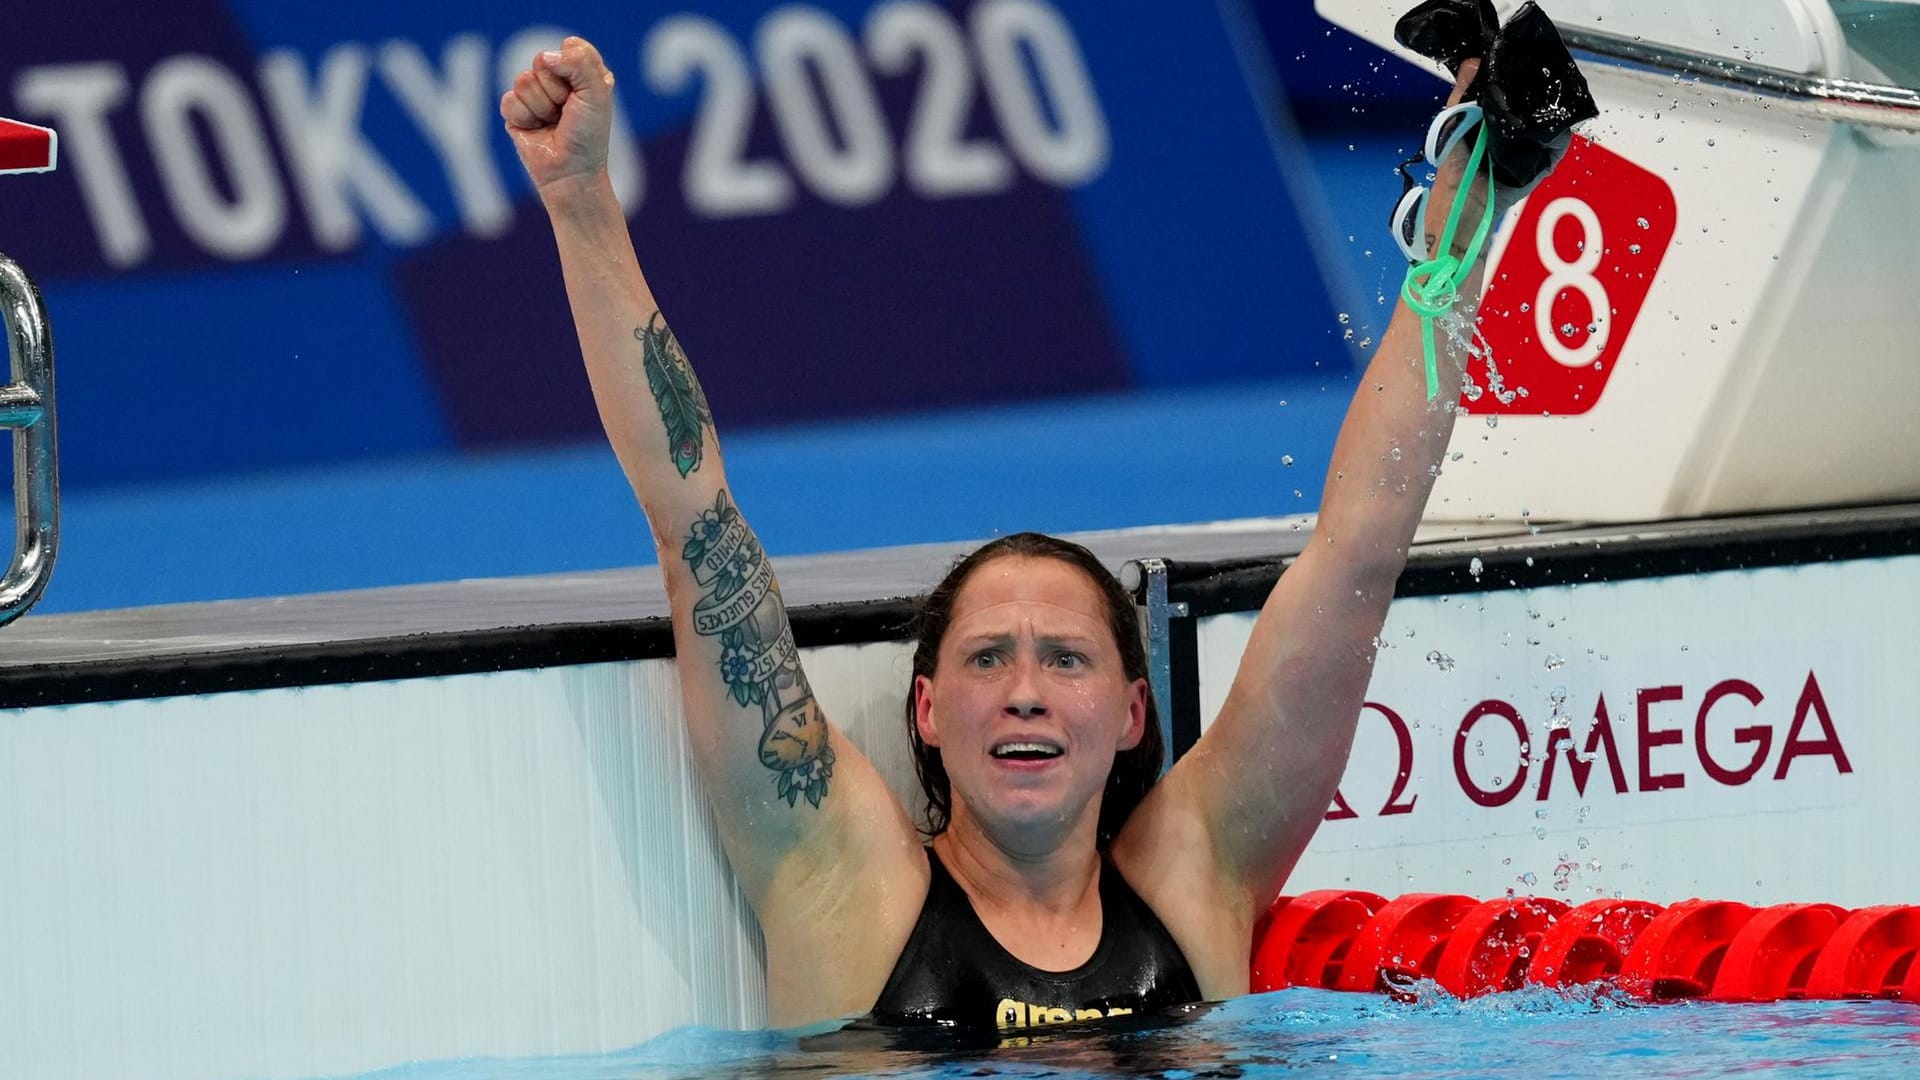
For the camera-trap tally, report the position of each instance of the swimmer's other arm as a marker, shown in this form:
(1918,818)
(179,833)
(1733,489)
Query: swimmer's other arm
(1248,798)
(780,781)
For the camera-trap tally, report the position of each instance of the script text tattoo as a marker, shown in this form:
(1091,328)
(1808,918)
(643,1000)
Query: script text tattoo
(740,604)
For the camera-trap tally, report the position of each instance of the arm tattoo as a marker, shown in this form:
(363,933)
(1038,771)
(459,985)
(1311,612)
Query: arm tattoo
(683,405)
(740,604)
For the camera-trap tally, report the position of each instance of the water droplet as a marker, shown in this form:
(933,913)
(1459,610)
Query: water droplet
(1634,248)
(1528,879)
(1286,459)
(1394,453)
(1476,567)
(1555,661)
(1643,223)
(1582,842)
(1343,317)
(1440,660)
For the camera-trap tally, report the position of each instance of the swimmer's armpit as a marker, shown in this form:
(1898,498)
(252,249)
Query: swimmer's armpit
(740,605)
(683,404)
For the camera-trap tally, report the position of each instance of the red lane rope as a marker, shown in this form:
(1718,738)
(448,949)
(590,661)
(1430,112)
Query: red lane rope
(1343,939)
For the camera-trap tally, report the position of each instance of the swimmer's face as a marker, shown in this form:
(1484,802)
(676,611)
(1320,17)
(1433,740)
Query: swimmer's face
(1029,702)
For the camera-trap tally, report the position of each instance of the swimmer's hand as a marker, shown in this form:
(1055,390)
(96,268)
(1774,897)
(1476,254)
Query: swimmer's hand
(559,113)
(1447,179)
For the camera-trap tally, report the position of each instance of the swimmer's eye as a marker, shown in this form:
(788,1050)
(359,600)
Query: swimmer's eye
(1069,659)
(985,658)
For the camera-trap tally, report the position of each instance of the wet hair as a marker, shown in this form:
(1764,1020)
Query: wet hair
(1134,771)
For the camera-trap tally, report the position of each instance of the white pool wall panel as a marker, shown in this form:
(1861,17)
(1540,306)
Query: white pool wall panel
(328,880)
(1800,827)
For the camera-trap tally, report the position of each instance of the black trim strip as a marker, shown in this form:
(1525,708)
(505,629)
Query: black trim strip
(1548,560)
(416,656)
(1208,588)
(1183,649)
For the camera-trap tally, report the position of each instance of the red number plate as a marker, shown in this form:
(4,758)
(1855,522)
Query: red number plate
(1570,284)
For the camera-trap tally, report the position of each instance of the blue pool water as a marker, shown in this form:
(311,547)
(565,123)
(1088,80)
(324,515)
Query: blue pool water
(1536,1035)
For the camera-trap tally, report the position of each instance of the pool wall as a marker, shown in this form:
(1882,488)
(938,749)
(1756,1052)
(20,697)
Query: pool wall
(226,874)
(1737,735)
(327,880)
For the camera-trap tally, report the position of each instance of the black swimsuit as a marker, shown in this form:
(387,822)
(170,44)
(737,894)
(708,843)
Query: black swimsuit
(953,973)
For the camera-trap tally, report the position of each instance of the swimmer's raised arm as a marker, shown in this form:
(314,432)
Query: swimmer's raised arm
(804,817)
(1250,795)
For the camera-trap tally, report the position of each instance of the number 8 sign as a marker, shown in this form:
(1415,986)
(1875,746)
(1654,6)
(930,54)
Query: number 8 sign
(1566,292)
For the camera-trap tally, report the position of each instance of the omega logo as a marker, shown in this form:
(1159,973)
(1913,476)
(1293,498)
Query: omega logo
(1658,737)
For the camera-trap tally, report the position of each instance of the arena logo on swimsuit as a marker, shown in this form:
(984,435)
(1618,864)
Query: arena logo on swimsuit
(1012,1015)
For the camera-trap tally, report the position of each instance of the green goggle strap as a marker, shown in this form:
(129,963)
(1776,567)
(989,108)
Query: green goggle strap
(1432,286)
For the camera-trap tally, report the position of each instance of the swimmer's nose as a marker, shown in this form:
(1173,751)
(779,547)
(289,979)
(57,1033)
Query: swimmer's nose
(1023,696)
(1024,690)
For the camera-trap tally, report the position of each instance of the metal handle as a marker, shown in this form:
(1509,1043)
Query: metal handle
(26,404)
(1865,104)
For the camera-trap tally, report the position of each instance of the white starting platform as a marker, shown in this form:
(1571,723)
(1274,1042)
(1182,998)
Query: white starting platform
(1707,308)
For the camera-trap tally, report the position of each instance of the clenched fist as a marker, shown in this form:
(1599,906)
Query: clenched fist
(559,113)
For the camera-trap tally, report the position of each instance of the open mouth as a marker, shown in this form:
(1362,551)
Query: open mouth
(1026,750)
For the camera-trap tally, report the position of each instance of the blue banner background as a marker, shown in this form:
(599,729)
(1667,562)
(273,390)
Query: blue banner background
(1177,334)
(1183,261)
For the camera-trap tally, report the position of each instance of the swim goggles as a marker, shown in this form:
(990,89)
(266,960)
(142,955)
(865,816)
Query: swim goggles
(1433,280)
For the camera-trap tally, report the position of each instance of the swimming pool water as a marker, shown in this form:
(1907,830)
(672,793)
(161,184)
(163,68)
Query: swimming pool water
(1535,1035)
